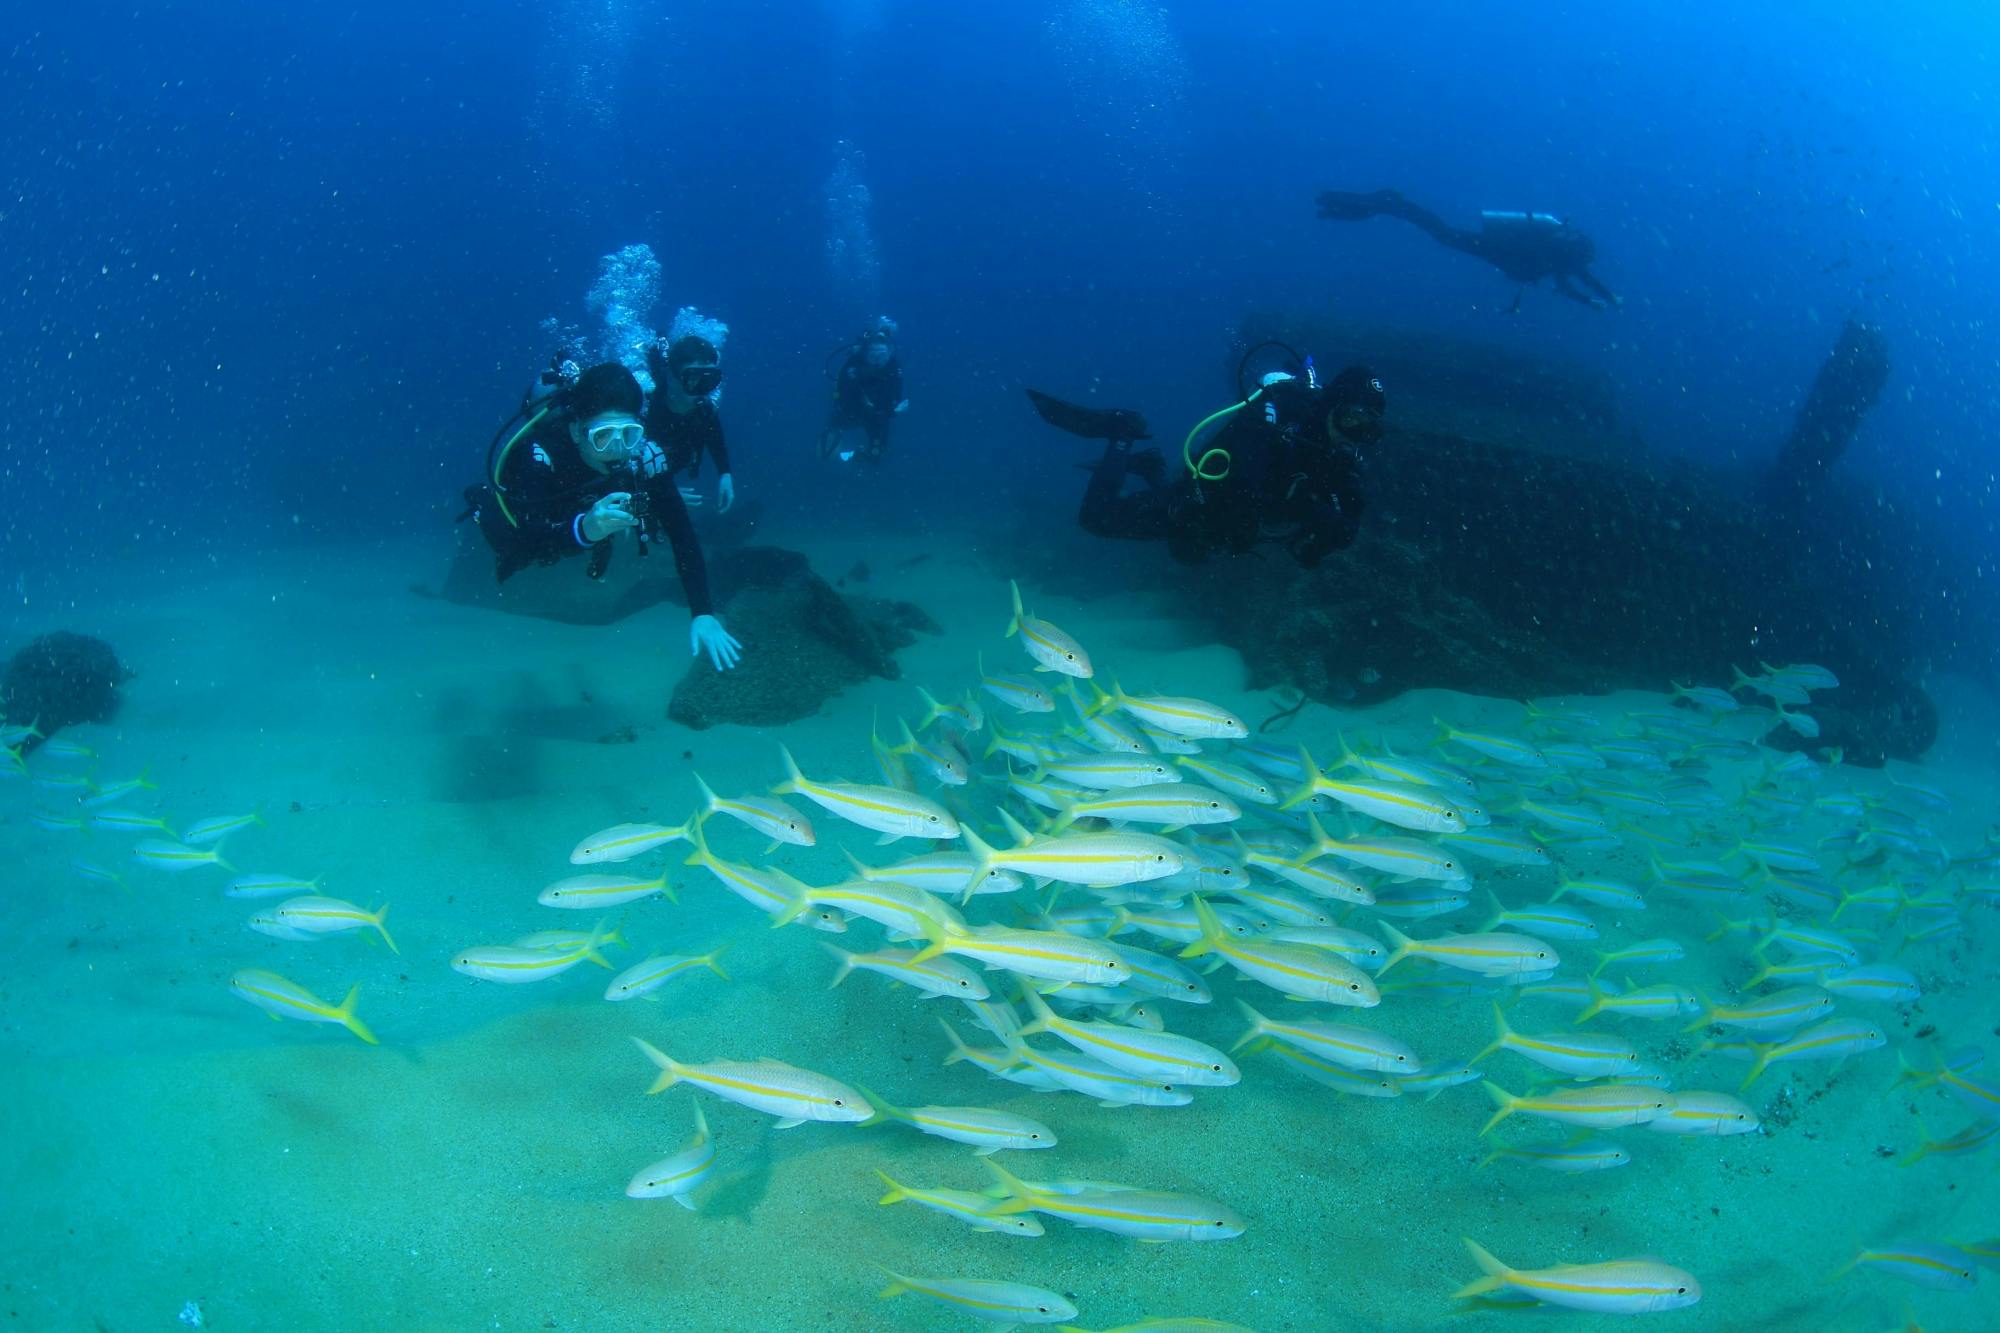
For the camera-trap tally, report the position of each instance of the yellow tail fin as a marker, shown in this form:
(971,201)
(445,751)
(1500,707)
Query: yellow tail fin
(670,1072)
(350,1021)
(1495,1274)
(383,930)
(897,1191)
(1505,1100)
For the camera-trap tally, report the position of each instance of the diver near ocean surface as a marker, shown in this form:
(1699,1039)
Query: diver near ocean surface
(1285,468)
(1527,247)
(682,420)
(579,471)
(867,395)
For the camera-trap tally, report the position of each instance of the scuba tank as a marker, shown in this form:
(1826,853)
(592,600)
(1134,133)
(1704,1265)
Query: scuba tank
(549,393)
(1213,464)
(1493,220)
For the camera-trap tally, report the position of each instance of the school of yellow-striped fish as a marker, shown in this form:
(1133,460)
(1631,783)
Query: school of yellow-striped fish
(1600,932)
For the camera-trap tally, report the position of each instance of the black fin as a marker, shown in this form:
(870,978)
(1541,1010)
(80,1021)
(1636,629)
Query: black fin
(1092,423)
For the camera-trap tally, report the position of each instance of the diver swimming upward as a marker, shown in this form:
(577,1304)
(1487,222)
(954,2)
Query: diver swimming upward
(1527,247)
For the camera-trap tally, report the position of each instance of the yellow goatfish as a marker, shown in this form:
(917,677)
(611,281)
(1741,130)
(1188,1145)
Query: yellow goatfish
(176,857)
(769,816)
(622,842)
(1192,719)
(1052,649)
(584,891)
(330,916)
(519,963)
(281,998)
(792,1094)
(889,811)
(997,1302)
(1622,1286)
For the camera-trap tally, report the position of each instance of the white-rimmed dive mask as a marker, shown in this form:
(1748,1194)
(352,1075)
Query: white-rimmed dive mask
(612,438)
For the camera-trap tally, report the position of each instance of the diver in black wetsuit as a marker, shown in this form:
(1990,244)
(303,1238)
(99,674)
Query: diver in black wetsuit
(867,395)
(682,418)
(579,473)
(1527,247)
(1286,469)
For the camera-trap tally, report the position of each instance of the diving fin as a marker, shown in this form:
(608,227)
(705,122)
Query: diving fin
(1092,423)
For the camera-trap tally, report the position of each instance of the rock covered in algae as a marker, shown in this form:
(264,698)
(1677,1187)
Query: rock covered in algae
(802,642)
(59,680)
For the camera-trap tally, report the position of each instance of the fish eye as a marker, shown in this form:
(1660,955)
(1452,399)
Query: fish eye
(1680,1291)
(1043,1309)
(1351,986)
(838,1102)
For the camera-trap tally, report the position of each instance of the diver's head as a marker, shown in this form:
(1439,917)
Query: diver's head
(604,416)
(1355,403)
(878,348)
(694,370)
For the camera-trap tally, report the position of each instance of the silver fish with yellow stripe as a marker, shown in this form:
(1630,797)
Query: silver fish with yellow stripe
(792,1094)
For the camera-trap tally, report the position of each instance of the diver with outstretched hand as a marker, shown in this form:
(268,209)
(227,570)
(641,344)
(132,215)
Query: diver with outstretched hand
(577,473)
(1284,467)
(1527,247)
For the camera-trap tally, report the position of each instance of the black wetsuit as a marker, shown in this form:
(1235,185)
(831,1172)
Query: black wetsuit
(1525,247)
(687,436)
(865,397)
(549,489)
(1287,483)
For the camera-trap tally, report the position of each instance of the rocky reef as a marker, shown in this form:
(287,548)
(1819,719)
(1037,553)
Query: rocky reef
(1521,541)
(59,680)
(803,642)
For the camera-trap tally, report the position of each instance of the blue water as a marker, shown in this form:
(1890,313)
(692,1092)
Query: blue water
(273,275)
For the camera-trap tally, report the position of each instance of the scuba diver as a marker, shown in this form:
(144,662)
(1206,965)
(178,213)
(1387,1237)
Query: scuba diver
(867,395)
(681,420)
(577,472)
(1527,247)
(1285,468)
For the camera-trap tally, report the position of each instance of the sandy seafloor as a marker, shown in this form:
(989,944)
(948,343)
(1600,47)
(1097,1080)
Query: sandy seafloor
(165,1142)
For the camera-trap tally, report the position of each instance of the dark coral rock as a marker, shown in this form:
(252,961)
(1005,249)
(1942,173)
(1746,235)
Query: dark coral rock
(59,680)
(802,642)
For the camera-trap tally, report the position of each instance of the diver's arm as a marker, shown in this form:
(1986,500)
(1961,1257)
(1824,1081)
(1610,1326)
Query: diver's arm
(1564,287)
(1330,527)
(713,443)
(1604,294)
(1334,518)
(546,516)
(672,515)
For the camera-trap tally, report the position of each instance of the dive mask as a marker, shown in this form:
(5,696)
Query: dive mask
(615,439)
(699,381)
(1353,421)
